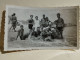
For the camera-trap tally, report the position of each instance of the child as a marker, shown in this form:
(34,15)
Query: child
(38,31)
(20,32)
(54,33)
(44,34)
(34,32)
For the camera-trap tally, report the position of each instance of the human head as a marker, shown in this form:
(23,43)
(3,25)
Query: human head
(58,15)
(21,26)
(13,14)
(31,16)
(36,17)
(43,15)
(47,18)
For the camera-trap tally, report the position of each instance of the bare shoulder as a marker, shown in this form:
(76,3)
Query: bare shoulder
(61,18)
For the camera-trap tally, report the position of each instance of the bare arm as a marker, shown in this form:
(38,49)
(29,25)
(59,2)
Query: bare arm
(63,22)
(33,22)
(27,21)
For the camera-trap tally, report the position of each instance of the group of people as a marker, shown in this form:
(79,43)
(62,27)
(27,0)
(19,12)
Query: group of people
(43,29)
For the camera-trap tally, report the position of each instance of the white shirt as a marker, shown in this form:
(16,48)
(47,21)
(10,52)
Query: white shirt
(36,24)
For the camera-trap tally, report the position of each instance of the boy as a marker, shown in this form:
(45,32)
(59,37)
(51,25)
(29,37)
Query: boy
(44,34)
(20,32)
(38,31)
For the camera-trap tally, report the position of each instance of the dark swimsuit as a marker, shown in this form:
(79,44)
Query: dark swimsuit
(30,24)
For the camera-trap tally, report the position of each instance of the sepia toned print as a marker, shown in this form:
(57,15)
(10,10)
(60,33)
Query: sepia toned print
(40,28)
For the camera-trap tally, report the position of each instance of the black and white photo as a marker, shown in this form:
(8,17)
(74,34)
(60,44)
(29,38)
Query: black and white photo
(41,28)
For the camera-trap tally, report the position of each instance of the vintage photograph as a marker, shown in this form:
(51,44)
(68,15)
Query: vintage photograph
(40,28)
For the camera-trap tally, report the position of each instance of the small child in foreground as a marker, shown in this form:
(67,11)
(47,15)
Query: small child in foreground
(20,32)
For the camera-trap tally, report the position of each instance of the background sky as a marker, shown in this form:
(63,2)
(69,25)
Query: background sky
(69,14)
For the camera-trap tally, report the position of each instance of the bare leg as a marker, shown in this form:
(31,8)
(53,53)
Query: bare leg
(10,28)
(30,32)
(61,34)
(14,28)
(17,37)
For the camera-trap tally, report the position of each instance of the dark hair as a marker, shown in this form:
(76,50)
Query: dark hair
(58,13)
(43,14)
(21,26)
(13,14)
(36,16)
(31,15)
(46,17)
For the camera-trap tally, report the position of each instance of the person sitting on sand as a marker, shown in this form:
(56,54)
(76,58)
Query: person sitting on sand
(44,34)
(38,31)
(34,33)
